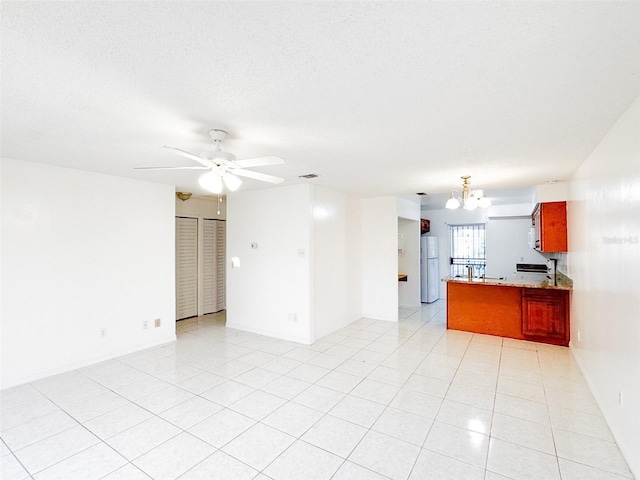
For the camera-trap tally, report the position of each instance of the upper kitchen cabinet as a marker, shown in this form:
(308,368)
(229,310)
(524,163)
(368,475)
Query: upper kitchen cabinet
(550,227)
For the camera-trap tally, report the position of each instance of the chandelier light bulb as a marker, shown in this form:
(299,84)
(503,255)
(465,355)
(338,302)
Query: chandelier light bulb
(471,203)
(484,202)
(452,203)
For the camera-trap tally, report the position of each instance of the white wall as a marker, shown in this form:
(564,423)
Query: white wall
(273,281)
(408,208)
(81,252)
(322,288)
(603,261)
(337,260)
(552,192)
(508,244)
(380,258)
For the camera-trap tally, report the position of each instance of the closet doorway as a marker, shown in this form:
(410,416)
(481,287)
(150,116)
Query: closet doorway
(200,266)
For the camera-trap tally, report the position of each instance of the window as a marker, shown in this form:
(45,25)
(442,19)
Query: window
(468,247)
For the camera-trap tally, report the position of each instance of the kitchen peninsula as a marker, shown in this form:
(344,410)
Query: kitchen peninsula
(519,307)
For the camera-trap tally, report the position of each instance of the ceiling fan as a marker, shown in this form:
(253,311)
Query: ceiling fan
(223,166)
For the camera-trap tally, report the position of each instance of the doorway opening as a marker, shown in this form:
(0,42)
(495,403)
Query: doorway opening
(200,266)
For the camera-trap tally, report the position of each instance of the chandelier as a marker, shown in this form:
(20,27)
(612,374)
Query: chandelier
(470,199)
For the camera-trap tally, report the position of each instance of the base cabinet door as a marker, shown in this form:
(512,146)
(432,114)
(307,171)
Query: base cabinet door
(545,315)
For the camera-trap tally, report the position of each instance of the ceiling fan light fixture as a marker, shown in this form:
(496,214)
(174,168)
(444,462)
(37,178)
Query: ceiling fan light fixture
(231,181)
(223,169)
(212,182)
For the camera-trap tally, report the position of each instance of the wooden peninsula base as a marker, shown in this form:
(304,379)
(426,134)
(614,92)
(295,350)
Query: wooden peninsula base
(484,309)
(540,315)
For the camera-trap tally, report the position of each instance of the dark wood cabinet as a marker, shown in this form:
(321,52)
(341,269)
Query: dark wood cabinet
(550,226)
(545,315)
(525,313)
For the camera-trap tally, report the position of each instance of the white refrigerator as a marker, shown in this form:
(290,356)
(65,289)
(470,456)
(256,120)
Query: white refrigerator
(429,282)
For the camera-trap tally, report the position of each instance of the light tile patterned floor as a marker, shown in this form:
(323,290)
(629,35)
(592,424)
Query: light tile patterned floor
(374,400)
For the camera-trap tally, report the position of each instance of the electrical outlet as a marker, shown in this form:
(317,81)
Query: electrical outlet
(293,318)
(158,322)
(145,325)
(301,253)
(103,332)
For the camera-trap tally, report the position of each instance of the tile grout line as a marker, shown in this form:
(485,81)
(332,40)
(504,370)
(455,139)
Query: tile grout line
(405,339)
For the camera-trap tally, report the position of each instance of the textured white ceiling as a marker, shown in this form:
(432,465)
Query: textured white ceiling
(377,98)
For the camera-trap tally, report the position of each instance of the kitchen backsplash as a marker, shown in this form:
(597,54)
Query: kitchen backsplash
(562,261)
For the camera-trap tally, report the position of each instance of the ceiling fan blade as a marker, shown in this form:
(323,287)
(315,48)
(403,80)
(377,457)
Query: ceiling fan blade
(201,161)
(171,168)
(259,162)
(256,176)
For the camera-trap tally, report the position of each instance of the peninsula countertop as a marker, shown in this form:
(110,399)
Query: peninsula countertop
(517,280)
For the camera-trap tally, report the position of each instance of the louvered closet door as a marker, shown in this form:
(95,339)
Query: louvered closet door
(213,264)
(186,267)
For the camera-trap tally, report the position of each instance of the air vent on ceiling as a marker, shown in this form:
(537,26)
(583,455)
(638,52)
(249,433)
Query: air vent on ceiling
(309,175)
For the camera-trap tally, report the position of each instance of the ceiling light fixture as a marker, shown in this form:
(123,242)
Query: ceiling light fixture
(470,199)
(231,181)
(212,181)
(183,195)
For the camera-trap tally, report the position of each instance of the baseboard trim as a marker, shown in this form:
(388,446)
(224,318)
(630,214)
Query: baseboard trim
(6,384)
(626,452)
(270,333)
